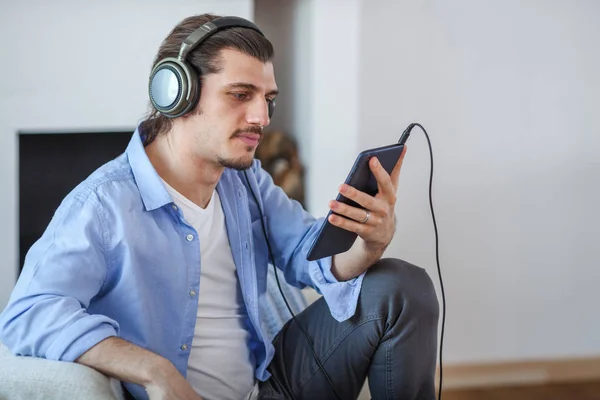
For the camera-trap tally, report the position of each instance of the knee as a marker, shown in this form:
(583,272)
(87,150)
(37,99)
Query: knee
(404,288)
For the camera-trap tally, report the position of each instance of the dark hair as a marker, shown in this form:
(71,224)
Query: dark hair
(205,59)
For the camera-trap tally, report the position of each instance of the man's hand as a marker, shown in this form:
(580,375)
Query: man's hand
(130,363)
(375,225)
(169,384)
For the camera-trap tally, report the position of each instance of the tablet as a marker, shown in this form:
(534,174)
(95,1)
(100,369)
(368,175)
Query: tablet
(331,239)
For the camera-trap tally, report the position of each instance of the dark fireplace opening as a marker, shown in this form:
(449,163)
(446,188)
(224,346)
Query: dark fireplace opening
(50,166)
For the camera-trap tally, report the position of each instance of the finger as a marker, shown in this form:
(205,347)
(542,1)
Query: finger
(357,214)
(348,224)
(384,183)
(396,171)
(367,201)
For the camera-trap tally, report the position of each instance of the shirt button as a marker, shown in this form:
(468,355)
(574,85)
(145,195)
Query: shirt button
(189,237)
(174,207)
(184,347)
(192,293)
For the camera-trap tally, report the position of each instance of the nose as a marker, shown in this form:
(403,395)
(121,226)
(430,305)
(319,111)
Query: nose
(258,113)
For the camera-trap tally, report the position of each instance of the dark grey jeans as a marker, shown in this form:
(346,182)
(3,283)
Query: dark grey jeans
(392,339)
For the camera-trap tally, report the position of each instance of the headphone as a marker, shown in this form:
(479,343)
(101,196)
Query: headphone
(174,87)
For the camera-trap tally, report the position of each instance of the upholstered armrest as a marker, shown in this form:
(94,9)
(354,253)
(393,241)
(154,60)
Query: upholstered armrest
(37,378)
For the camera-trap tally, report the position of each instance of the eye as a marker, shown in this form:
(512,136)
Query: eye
(240,96)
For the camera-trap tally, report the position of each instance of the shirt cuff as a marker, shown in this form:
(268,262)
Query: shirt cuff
(341,297)
(82,336)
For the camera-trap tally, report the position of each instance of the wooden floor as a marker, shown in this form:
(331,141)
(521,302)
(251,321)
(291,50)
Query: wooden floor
(578,391)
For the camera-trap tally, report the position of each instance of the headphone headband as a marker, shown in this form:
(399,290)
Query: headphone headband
(210,28)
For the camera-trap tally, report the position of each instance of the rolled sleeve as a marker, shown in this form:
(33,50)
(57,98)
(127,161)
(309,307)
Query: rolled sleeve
(341,297)
(81,336)
(47,312)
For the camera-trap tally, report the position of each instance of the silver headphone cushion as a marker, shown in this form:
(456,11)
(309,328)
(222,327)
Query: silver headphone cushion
(166,88)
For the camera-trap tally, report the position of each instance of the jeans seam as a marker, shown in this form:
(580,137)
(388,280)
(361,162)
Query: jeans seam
(388,369)
(343,336)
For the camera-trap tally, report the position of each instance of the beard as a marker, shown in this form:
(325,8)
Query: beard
(240,163)
(244,162)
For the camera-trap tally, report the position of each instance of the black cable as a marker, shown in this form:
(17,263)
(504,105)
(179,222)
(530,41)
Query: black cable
(306,335)
(403,140)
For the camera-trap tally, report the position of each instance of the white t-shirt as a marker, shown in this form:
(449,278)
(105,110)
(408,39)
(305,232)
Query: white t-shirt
(219,367)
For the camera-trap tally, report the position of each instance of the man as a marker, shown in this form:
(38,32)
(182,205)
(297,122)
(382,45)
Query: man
(152,269)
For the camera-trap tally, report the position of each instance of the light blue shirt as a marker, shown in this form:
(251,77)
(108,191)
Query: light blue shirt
(119,259)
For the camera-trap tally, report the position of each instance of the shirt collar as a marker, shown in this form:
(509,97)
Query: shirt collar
(153,192)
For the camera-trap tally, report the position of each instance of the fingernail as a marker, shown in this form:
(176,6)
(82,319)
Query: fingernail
(375,162)
(343,188)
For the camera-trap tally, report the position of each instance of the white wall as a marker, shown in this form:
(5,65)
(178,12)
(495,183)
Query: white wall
(78,65)
(509,92)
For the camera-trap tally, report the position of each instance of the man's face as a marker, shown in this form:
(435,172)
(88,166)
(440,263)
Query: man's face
(233,110)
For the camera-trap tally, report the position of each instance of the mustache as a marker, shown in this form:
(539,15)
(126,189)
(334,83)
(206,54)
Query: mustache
(251,129)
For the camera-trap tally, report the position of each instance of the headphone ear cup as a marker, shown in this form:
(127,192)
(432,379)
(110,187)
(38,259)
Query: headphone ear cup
(173,87)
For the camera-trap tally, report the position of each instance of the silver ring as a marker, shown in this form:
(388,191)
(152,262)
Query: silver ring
(367,216)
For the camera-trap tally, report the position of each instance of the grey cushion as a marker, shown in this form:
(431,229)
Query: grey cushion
(37,378)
